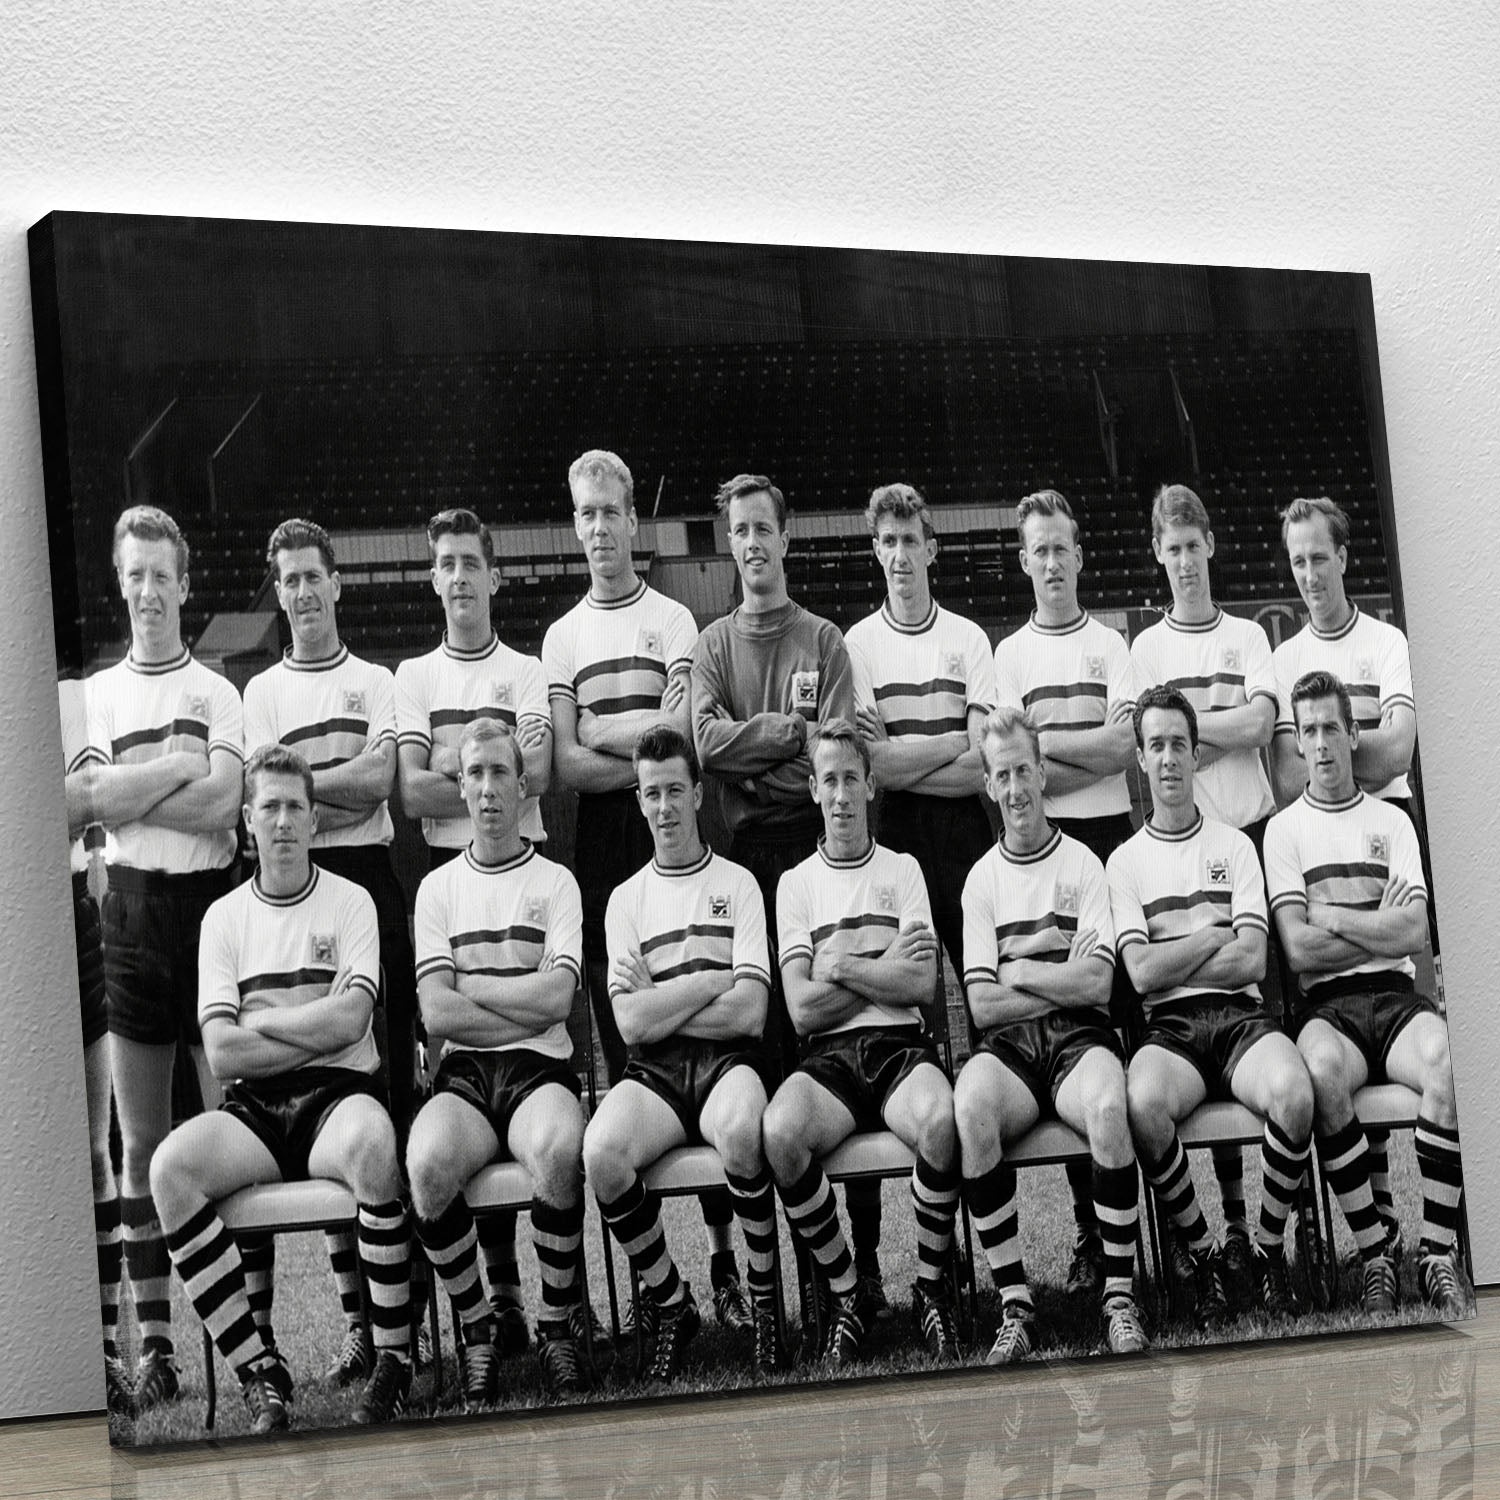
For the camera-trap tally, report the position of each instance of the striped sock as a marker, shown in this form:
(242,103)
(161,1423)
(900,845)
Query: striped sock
(1345,1159)
(1282,1165)
(812,1213)
(1117,1203)
(1379,1143)
(635,1222)
(1172,1182)
(557,1237)
(385,1256)
(258,1257)
(343,1261)
(497,1241)
(150,1269)
(934,1197)
(1229,1168)
(109,1247)
(1081,1185)
(208,1261)
(1442,1185)
(450,1241)
(755,1203)
(992,1205)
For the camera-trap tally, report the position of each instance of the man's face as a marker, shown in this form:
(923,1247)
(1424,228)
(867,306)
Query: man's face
(604,524)
(904,554)
(841,787)
(1328,746)
(281,820)
(152,591)
(1317,565)
(1015,781)
(669,799)
(1167,757)
(492,788)
(757,542)
(1053,561)
(1184,552)
(307,591)
(463,580)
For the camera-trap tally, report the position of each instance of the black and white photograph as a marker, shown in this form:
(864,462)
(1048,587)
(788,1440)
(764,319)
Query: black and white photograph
(656,818)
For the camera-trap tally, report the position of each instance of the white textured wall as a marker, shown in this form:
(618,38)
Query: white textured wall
(1271,136)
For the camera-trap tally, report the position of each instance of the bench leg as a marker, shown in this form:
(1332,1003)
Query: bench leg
(210,1380)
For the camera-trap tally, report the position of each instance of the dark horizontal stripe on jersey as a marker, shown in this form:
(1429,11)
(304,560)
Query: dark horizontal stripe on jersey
(1164,904)
(190,727)
(520,932)
(951,724)
(853,924)
(618,667)
(328,726)
(289,981)
(499,971)
(329,765)
(693,966)
(442,718)
(1362,689)
(1320,873)
(626,703)
(1372,904)
(1046,956)
(1065,690)
(692,930)
(1030,926)
(918,689)
(1215,679)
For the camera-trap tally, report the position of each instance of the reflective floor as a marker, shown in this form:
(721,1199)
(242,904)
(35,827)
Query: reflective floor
(1371,1416)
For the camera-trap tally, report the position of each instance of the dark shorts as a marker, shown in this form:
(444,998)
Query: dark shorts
(287,1113)
(91,994)
(864,1067)
(1372,1010)
(498,1083)
(686,1070)
(612,843)
(1212,1032)
(150,927)
(1042,1052)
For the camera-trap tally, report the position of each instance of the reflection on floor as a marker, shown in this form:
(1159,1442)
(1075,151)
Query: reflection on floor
(1383,1416)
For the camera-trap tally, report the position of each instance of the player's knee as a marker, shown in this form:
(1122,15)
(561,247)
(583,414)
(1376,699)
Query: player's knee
(738,1139)
(783,1135)
(434,1184)
(1437,1065)
(977,1122)
(372,1162)
(1325,1071)
(932,1114)
(604,1163)
(1291,1103)
(559,1166)
(170,1176)
(1106,1117)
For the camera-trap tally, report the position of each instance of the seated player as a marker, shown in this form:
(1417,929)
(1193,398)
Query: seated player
(1345,880)
(858,963)
(289,971)
(1189,907)
(1039,953)
(498,934)
(689,979)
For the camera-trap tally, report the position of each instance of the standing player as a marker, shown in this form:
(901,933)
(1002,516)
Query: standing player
(339,713)
(1189,906)
(73,713)
(289,968)
(858,960)
(1346,890)
(689,980)
(1040,947)
(923,681)
(163,774)
(1222,665)
(472,674)
(1074,677)
(498,939)
(617,663)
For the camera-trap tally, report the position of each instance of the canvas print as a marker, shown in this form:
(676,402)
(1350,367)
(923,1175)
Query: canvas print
(651,818)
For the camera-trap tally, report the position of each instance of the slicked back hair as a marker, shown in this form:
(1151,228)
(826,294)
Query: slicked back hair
(1177,505)
(1000,723)
(662,742)
(481,731)
(1311,686)
(902,501)
(149,523)
(460,522)
(1043,503)
(599,464)
(1165,697)
(1304,509)
(294,534)
(750,484)
(838,731)
(277,760)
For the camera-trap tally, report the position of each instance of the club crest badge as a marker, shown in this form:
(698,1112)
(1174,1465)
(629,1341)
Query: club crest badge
(325,949)
(1065,898)
(805,692)
(503,694)
(1364,672)
(718,906)
(648,643)
(1216,872)
(1378,848)
(534,911)
(195,707)
(885,899)
(953,665)
(1093,668)
(1234,660)
(354,701)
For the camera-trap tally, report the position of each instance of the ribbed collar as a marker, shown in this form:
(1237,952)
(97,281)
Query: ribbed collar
(1050,847)
(527,851)
(318,664)
(295,899)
